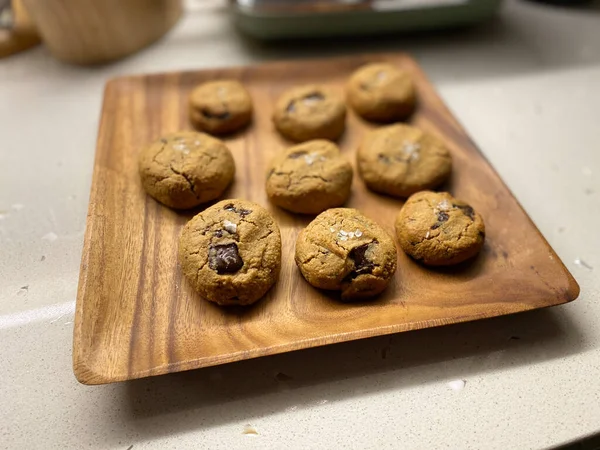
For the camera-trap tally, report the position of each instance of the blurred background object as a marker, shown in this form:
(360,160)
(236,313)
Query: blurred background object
(17,32)
(90,31)
(275,19)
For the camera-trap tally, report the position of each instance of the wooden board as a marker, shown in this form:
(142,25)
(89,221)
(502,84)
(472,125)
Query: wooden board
(136,314)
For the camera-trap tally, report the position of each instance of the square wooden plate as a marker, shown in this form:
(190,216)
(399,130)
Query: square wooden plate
(136,314)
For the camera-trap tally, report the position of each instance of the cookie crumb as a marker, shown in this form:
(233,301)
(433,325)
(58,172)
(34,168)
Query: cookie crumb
(457,385)
(249,429)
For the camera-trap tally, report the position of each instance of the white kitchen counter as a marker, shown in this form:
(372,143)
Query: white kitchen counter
(526,87)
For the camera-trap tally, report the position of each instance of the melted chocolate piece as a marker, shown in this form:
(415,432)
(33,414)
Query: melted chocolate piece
(242,212)
(467,211)
(210,115)
(315,96)
(362,264)
(225,258)
(442,216)
(296,155)
(383,159)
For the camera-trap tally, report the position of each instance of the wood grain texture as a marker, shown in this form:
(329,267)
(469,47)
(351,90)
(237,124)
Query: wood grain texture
(136,314)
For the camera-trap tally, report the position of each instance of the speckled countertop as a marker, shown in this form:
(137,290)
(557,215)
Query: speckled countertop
(526,87)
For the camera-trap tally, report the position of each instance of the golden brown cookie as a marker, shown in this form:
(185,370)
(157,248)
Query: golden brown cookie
(310,112)
(381,92)
(439,230)
(343,250)
(400,160)
(185,169)
(231,252)
(220,107)
(309,178)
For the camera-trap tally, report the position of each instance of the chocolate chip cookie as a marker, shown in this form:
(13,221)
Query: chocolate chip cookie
(184,169)
(381,92)
(345,251)
(400,160)
(309,178)
(310,112)
(231,252)
(439,230)
(220,107)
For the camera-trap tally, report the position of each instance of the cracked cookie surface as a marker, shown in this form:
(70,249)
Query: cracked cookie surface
(310,112)
(381,92)
(400,160)
(231,252)
(343,250)
(220,107)
(309,178)
(438,230)
(183,170)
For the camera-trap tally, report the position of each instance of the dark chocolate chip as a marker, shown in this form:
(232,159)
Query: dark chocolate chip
(314,96)
(211,115)
(442,217)
(383,159)
(467,210)
(297,155)
(242,212)
(362,264)
(225,258)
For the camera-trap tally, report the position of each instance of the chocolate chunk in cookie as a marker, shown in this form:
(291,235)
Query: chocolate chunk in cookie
(437,229)
(185,169)
(343,250)
(231,252)
(309,178)
(310,112)
(400,160)
(220,107)
(225,258)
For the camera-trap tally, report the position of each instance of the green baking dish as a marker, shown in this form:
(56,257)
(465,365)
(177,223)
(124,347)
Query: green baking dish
(280,19)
